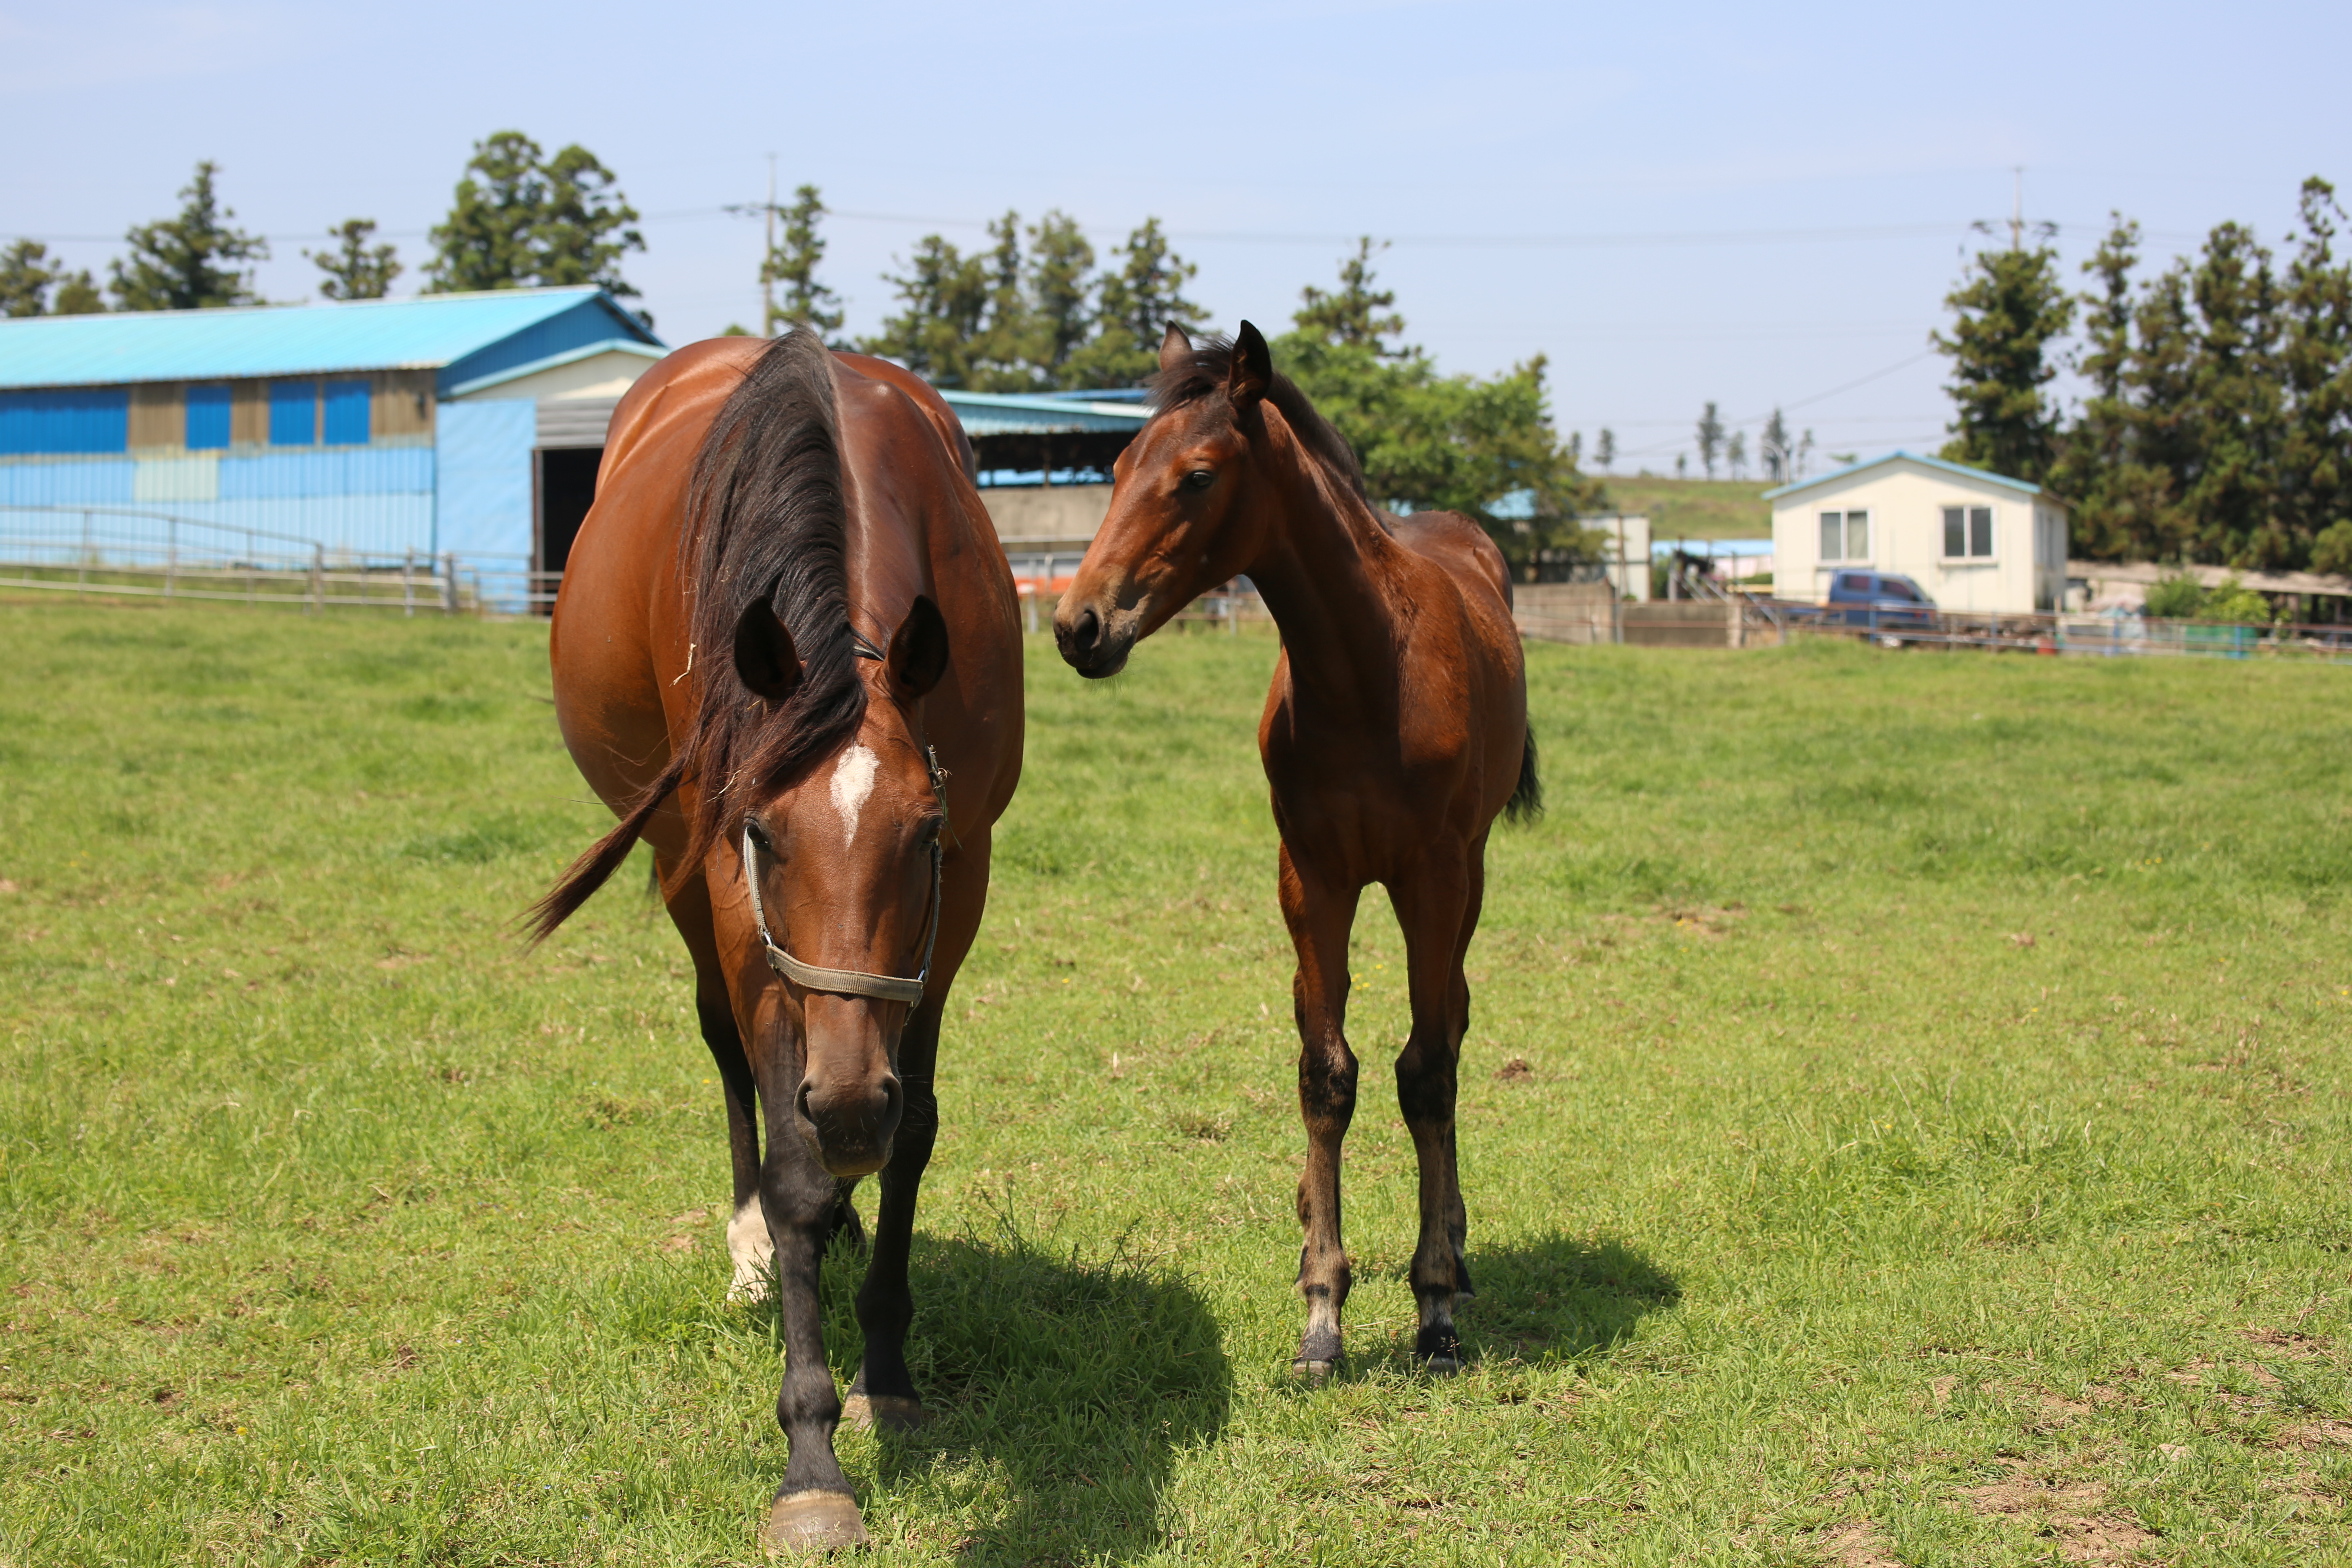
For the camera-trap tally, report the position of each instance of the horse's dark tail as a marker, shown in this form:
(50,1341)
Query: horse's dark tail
(595,867)
(1526,801)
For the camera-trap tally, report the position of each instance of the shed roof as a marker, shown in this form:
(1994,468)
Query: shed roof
(1042,414)
(430,332)
(1982,475)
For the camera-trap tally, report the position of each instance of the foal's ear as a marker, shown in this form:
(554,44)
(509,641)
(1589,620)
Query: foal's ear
(1253,369)
(1175,347)
(764,656)
(918,653)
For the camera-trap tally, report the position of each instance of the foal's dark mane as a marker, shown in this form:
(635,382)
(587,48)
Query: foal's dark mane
(1203,373)
(765,518)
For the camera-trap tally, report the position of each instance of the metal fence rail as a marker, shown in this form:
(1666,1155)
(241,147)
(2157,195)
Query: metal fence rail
(2075,635)
(146,554)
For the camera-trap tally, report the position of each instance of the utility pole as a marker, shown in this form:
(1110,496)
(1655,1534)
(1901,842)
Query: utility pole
(767,261)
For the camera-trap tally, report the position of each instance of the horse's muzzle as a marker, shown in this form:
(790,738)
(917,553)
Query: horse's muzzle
(849,1124)
(1090,644)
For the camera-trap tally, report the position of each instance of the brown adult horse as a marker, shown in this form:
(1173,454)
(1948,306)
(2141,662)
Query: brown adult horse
(786,654)
(1395,732)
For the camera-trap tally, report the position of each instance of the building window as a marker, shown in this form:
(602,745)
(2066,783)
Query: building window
(1968,532)
(347,412)
(1846,536)
(208,425)
(293,413)
(67,419)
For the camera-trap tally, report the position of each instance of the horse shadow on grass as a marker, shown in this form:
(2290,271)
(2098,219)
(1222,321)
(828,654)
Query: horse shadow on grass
(1061,1388)
(1557,1297)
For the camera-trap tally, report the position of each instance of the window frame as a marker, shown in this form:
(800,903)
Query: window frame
(1844,526)
(1967,512)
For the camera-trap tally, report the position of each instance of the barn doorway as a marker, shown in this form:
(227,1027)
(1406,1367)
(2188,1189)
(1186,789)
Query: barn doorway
(565,485)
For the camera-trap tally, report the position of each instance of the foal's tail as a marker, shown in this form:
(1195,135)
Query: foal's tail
(1526,801)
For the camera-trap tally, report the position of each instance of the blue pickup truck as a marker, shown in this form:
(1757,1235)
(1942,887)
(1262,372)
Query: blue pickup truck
(1886,602)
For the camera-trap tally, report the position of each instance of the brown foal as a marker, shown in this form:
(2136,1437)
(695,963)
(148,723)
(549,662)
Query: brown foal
(1395,732)
(786,654)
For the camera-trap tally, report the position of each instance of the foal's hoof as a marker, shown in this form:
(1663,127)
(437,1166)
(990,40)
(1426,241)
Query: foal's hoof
(1441,1365)
(887,1412)
(1439,1351)
(1317,1373)
(1319,1356)
(808,1522)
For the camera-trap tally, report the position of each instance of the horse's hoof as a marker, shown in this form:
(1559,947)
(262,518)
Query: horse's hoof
(1441,1365)
(1317,1373)
(812,1522)
(888,1412)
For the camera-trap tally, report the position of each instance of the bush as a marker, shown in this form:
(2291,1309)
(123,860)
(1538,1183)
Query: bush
(2232,602)
(2332,551)
(2175,598)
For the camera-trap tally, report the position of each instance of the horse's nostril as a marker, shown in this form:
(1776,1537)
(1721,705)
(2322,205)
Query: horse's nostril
(1089,628)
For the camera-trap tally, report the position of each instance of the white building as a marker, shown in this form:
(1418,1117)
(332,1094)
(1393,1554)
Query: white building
(1974,540)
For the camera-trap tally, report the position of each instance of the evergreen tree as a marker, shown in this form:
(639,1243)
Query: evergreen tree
(1134,306)
(1774,449)
(1735,454)
(1604,450)
(1002,353)
(807,303)
(520,219)
(1710,438)
(192,261)
(1354,314)
(2314,454)
(2097,448)
(355,269)
(2238,404)
(1060,262)
(33,285)
(2147,493)
(946,297)
(2006,317)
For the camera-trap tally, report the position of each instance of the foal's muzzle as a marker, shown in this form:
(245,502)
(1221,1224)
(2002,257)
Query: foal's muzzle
(1089,646)
(849,1124)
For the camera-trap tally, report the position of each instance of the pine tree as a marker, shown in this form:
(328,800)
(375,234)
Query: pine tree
(1774,448)
(1002,353)
(1354,314)
(1060,262)
(1133,309)
(1604,450)
(2097,448)
(2239,404)
(945,294)
(2315,356)
(1735,454)
(33,285)
(807,303)
(2006,317)
(520,219)
(355,269)
(2147,494)
(190,261)
(1710,438)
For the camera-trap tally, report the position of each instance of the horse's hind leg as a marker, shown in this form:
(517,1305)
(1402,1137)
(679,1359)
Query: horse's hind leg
(1431,905)
(1319,918)
(747,1228)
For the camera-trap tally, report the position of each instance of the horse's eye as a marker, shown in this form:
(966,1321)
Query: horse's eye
(1199,478)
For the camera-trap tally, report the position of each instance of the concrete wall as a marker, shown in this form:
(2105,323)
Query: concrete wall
(1051,511)
(1906,502)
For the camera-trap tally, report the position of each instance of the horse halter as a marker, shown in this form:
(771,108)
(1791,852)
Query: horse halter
(855,981)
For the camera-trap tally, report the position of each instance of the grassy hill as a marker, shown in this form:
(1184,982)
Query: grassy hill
(1694,508)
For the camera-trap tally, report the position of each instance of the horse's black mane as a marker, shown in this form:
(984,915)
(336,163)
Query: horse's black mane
(1204,373)
(764,518)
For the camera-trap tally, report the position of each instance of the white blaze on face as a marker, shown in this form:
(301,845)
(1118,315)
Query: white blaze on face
(853,781)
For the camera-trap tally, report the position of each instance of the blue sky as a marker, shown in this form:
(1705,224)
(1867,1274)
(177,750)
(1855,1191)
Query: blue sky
(1750,205)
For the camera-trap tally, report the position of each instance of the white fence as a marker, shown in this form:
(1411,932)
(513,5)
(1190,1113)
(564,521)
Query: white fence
(119,551)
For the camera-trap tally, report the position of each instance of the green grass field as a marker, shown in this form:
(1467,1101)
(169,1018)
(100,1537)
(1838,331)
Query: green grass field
(1694,508)
(1902,1121)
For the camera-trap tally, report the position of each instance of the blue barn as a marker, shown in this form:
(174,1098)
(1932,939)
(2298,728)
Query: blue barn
(469,424)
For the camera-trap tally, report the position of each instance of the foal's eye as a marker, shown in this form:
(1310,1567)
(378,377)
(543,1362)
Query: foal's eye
(1199,478)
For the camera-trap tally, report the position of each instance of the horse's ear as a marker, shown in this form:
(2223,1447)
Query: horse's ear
(764,656)
(918,652)
(1253,368)
(1175,347)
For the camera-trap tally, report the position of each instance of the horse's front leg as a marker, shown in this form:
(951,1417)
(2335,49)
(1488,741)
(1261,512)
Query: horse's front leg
(885,1394)
(813,1509)
(1438,908)
(1319,917)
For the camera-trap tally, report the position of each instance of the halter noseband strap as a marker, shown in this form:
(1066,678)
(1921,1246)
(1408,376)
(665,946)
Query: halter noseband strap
(851,982)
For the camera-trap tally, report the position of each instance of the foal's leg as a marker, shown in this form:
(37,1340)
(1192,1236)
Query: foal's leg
(813,1509)
(1319,918)
(884,1393)
(1430,905)
(747,1230)
(1457,1219)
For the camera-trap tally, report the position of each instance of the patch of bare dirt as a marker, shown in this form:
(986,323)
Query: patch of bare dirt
(1516,1070)
(2317,1435)
(2288,1343)
(2068,1513)
(1858,1545)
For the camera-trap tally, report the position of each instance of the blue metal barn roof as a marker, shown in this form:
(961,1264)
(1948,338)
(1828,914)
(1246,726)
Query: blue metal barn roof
(472,335)
(1039,413)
